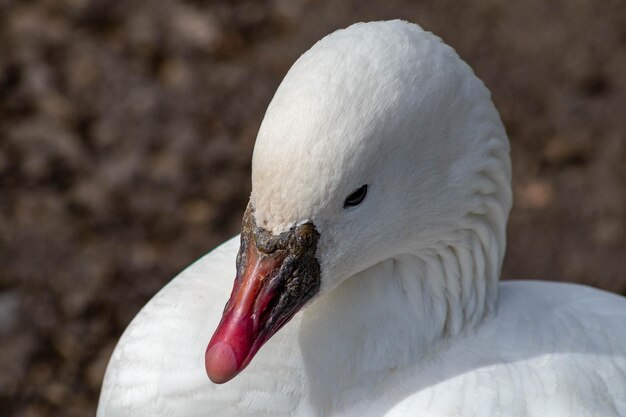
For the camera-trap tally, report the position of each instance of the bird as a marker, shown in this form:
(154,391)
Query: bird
(365,280)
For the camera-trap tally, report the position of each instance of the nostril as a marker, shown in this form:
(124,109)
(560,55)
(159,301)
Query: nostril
(265,242)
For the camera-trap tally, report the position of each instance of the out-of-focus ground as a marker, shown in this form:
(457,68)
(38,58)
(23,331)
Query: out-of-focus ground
(126,132)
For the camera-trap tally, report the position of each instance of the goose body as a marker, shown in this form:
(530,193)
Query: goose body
(552,350)
(399,314)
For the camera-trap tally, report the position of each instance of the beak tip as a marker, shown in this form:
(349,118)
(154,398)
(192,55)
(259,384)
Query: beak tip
(220,363)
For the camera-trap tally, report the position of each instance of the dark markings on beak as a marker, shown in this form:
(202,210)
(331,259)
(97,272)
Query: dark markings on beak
(299,276)
(276,276)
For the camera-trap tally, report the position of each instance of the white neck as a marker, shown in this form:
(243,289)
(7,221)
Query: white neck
(403,311)
(396,315)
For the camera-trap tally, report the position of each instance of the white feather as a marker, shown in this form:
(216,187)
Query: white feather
(410,319)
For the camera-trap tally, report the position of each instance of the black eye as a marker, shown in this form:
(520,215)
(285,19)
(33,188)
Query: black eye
(356,197)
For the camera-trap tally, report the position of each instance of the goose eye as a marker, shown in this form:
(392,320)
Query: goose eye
(356,197)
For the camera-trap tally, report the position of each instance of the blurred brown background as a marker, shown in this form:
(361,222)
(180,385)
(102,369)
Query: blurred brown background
(126,132)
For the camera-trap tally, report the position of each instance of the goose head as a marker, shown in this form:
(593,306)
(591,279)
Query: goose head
(379,141)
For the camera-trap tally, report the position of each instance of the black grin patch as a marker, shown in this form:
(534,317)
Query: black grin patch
(298,279)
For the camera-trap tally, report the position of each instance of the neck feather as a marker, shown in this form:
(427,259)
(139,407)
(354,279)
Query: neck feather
(399,314)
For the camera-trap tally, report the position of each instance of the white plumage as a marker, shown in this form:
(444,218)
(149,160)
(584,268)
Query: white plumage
(410,319)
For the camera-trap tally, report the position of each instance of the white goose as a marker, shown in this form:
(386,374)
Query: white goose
(404,313)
